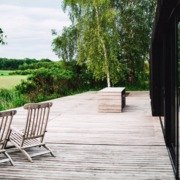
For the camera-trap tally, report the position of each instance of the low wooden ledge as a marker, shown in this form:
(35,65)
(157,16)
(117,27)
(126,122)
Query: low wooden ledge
(112,99)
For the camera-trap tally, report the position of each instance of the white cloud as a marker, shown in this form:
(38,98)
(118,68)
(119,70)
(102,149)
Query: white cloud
(28,29)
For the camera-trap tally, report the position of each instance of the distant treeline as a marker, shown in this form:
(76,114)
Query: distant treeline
(14,64)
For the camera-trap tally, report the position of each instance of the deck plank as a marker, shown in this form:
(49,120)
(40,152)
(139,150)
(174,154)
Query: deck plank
(92,145)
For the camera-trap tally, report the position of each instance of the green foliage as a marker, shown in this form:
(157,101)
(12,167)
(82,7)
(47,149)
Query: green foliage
(11,99)
(65,45)
(22,72)
(5,72)
(2,37)
(61,79)
(97,45)
(50,80)
(37,65)
(136,25)
(113,38)
(26,69)
(13,64)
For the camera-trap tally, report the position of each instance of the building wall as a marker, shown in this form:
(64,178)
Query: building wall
(164,75)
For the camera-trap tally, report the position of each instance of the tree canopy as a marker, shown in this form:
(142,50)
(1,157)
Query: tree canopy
(64,45)
(111,37)
(14,64)
(1,36)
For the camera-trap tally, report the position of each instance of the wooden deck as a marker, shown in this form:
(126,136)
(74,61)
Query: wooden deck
(92,145)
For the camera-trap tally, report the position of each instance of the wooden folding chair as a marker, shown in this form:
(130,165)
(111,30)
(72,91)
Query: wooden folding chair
(35,129)
(5,123)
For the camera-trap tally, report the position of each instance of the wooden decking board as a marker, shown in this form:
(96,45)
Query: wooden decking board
(92,145)
(106,159)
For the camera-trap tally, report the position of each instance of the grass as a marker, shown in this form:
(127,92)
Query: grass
(8,82)
(4,73)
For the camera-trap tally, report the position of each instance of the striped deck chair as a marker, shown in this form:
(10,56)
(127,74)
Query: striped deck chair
(5,123)
(34,132)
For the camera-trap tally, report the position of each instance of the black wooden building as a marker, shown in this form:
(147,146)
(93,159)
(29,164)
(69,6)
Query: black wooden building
(165,74)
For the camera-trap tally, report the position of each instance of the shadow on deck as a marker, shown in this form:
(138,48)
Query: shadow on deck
(92,145)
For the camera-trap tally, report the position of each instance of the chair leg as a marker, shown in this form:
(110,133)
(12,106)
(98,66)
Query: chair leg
(10,160)
(49,150)
(26,154)
(5,144)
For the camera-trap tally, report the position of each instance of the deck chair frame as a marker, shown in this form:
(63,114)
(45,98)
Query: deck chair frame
(5,124)
(35,129)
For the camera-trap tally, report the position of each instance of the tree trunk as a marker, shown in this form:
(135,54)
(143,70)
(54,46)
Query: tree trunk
(107,65)
(104,50)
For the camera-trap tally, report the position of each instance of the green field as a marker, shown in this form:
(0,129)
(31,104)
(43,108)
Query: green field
(8,82)
(4,72)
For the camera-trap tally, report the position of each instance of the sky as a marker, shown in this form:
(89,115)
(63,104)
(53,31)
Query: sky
(28,24)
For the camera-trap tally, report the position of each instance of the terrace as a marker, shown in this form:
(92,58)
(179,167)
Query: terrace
(92,145)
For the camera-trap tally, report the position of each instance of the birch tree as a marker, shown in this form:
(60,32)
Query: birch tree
(97,45)
(65,46)
(112,38)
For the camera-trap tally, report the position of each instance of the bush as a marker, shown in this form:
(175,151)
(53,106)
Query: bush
(51,81)
(59,80)
(45,82)
(11,99)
